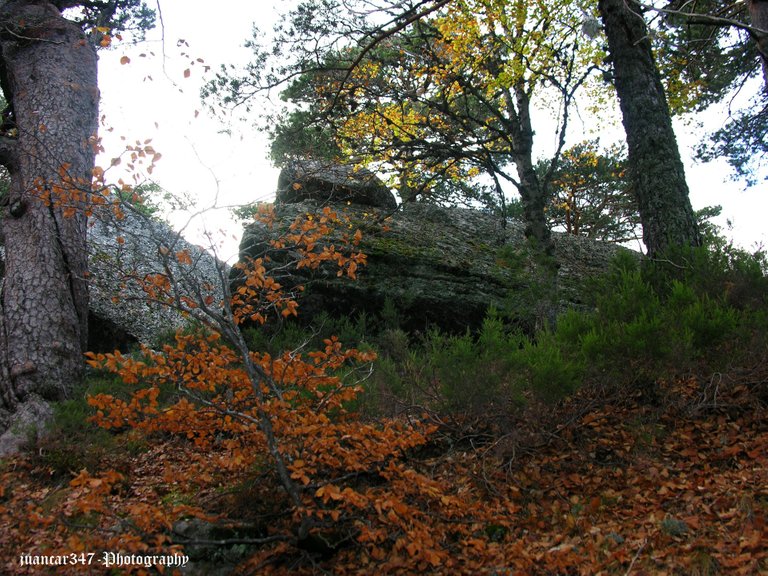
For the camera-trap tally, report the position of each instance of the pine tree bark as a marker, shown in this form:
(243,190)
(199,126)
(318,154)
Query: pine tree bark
(531,191)
(656,170)
(758,15)
(49,77)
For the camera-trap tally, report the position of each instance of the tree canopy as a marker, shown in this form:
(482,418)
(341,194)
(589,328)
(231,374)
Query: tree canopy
(710,54)
(439,96)
(435,96)
(591,194)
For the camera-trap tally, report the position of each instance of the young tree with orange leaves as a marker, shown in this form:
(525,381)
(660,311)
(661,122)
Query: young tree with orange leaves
(293,408)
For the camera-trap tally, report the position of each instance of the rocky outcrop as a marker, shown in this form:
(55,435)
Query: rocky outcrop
(323,181)
(122,253)
(444,267)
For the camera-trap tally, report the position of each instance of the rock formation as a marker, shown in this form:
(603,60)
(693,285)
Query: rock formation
(441,267)
(122,252)
(324,181)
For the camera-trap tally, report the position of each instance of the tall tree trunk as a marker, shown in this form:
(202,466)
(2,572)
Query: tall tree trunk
(758,15)
(531,191)
(656,170)
(48,71)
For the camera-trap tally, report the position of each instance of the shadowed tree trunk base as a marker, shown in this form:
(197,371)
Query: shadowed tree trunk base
(49,78)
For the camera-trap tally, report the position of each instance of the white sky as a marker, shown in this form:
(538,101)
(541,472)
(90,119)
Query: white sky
(143,99)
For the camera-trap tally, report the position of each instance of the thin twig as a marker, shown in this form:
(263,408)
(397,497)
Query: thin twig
(637,555)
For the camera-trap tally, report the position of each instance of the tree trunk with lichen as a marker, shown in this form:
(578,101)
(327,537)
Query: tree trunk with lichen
(656,170)
(758,15)
(48,71)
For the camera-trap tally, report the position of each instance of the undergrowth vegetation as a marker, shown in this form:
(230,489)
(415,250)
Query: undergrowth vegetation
(699,313)
(631,437)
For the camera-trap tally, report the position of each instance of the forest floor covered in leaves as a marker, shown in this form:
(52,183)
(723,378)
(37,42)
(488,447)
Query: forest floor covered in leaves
(673,485)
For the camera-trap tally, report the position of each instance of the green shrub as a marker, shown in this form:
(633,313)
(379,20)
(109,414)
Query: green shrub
(390,316)
(71,443)
(462,370)
(289,336)
(719,271)
(661,319)
(354,332)
(550,372)
(473,372)
(707,323)
(651,321)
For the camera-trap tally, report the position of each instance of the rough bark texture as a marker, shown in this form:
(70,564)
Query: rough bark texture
(656,169)
(531,191)
(48,71)
(758,14)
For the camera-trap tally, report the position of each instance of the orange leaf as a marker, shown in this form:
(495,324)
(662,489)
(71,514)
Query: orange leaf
(183,257)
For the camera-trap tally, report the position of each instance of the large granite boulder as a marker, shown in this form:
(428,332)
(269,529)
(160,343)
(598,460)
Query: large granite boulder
(324,181)
(122,253)
(443,267)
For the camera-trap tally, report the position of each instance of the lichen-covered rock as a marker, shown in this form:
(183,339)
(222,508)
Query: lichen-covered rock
(122,253)
(321,181)
(444,267)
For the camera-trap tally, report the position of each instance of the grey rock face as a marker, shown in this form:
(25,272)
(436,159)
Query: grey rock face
(322,181)
(122,254)
(443,267)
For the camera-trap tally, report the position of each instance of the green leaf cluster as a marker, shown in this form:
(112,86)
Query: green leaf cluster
(591,193)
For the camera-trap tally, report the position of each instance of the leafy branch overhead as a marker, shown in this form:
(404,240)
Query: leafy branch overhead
(439,96)
(435,98)
(712,53)
(114,17)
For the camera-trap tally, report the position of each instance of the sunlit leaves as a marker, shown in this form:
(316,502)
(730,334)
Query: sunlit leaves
(591,195)
(444,100)
(260,293)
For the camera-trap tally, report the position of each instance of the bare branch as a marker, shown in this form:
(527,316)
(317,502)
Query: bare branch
(383,35)
(710,20)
